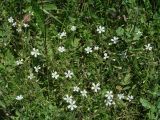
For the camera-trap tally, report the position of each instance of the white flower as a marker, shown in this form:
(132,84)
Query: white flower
(139,33)
(105,56)
(72,105)
(61,49)
(84,93)
(14,24)
(76,89)
(148,47)
(96,48)
(55,75)
(68,98)
(19,62)
(124,54)
(35,52)
(25,25)
(73,28)
(31,76)
(120,96)
(114,40)
(31,12)
(68,74)
(10,20)
(20,97)
(63,34)
(19,29)
(88,50)
(100,29)
(109,95)
(129,98)
(109,43)
(95,87)
(109,102)
(37,68)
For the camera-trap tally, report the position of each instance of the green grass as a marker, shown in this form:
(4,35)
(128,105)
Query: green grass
(131,66)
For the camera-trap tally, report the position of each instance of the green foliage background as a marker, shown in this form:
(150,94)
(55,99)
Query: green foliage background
(138,74)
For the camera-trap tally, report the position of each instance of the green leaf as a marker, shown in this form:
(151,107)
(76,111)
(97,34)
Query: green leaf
(120,31)
(39,15)
(2,104)
(75,42)
(9,58)
(147,4)
(137,34)
(158,106)
(145,103)
(127,79)
(2,34)
(136,37)
(153,109)
(49,7)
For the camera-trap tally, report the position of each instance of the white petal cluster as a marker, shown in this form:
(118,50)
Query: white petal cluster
(106,56)
(25,25)
(95,87)
(14,24)
(139,33)
(129,98)
(69,99)
(114,40)
(10,20)
(109,98)
(84,93)
(120,96)
(35,52)
(68,74)
(19,29)
(109,102)
(55,75)
(19,62)
(96,48)
(73,28)
(100,29)
(19,97)
(37,68)
(88,50)
(76,89)
(62,34)
(61,49)
(148,47)
(31,76)
(72,105)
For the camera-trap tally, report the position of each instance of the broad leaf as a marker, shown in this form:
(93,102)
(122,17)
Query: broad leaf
(145,103)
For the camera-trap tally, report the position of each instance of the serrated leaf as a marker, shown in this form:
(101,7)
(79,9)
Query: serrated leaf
(127,79)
